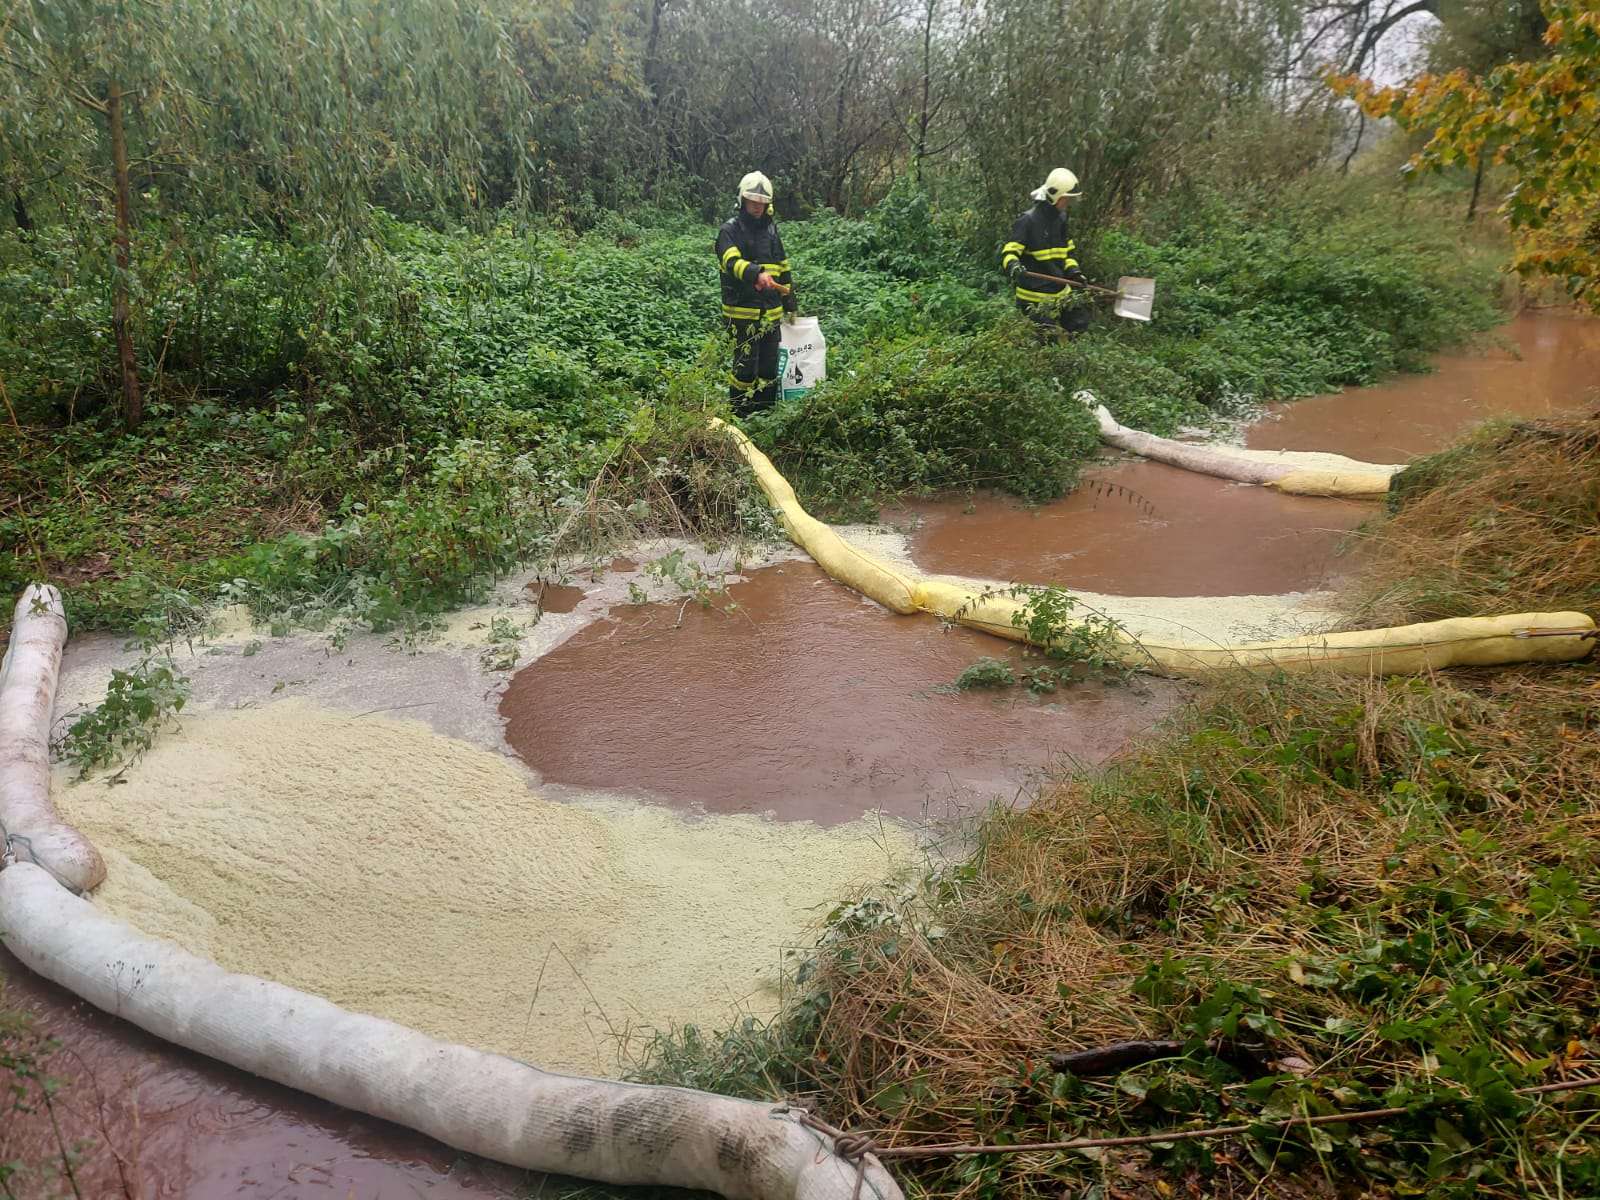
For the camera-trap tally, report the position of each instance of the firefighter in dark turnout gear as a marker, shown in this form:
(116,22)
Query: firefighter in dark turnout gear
(1039,245)
(756,291)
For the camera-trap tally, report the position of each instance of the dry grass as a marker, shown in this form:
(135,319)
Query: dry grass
(1341,882)
(685,482)
(1508,522)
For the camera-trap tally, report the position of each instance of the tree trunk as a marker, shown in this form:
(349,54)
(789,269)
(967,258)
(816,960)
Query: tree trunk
(1361,127)
(652,54)
(121,300)
(1477,187)
(927,87)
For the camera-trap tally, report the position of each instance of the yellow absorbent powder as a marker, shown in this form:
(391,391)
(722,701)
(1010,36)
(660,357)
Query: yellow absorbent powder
(414,877)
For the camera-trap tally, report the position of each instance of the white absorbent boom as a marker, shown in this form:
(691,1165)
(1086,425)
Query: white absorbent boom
(472,1100)
(475,1101)
(28,674)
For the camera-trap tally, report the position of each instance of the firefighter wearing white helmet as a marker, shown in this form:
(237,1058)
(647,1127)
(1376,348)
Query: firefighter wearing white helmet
(756,291)
(756,187)
(1038,257)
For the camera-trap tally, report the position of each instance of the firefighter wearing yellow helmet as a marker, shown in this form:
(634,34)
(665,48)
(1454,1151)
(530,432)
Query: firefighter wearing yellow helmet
(1038,260)
(756,291)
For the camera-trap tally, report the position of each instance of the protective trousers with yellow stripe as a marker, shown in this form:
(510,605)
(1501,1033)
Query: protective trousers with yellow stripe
(753,385)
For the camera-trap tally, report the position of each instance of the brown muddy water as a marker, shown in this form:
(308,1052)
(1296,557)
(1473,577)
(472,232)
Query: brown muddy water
(795,696)
(1136,528)
(144,1119)
(1546,363)
(801,700)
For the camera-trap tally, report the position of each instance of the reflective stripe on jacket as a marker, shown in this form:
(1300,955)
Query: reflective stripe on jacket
(747,246)
(1039,241)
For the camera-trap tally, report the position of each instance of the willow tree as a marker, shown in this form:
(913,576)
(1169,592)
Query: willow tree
(1135,96)
(279,112)
(848,91)
(819,94)
(584,62)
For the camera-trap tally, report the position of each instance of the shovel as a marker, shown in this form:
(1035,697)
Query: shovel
(1135,294)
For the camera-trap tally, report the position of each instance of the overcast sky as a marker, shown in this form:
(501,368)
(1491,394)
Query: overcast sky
(1398,52)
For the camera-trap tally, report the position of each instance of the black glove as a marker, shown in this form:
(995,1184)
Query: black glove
(791,301)
(1076,276)
(1016,271)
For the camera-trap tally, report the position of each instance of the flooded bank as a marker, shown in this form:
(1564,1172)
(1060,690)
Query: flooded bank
(1542,364)
(799,669)
(1136,528)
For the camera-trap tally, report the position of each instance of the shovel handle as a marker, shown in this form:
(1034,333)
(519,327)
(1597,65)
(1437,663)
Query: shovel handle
(1093,287)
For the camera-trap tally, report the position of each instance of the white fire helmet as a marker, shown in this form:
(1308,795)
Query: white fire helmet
(1060,182)
(756,186)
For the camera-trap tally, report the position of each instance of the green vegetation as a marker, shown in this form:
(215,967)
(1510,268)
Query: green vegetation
(377,446)
(347,353)
(1076,645)
(138,703)
(1529,110)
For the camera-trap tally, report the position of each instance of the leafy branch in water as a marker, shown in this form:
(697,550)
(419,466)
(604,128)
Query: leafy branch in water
(986,673)
(1078,644)
(503,642)
(1049,618)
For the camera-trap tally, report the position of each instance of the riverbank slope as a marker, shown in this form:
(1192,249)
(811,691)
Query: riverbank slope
(1305,896)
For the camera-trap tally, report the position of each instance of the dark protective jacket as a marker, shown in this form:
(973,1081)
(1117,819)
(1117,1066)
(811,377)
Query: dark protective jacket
(1039,241)
(747,246)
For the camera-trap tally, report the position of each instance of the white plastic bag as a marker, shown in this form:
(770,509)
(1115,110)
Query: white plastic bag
(802,356)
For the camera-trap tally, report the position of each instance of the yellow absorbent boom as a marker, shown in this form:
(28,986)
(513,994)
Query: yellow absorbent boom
(1400,650)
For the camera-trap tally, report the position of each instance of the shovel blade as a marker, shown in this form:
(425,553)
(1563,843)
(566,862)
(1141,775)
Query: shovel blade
(1135,297)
